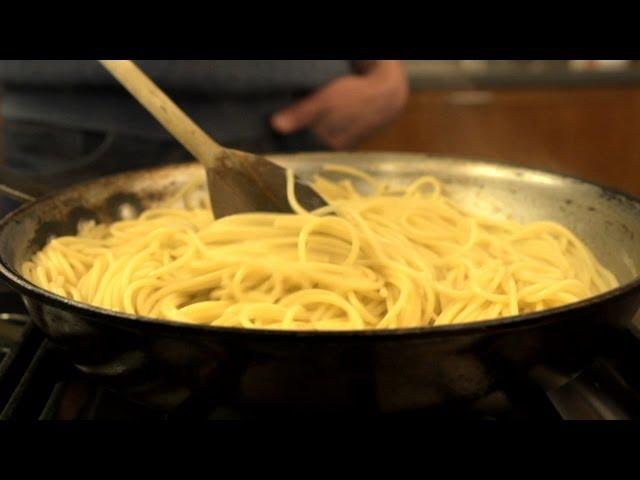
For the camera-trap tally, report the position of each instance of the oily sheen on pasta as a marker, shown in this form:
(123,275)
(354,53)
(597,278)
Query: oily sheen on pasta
(392,258)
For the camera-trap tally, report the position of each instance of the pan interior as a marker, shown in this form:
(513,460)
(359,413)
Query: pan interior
(608,223)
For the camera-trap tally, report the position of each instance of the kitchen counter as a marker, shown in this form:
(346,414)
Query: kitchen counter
(590,132)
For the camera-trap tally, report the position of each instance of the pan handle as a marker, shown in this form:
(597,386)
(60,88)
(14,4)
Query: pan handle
(21,187)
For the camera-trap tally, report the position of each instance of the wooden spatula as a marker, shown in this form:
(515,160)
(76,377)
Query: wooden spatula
(238,181)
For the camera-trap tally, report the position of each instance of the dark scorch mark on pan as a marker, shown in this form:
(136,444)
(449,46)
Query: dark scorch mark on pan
(627,231)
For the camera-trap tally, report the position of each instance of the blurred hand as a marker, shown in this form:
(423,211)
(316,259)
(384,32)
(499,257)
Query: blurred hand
(349,108)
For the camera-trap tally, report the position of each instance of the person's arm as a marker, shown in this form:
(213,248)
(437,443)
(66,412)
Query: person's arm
(349,108)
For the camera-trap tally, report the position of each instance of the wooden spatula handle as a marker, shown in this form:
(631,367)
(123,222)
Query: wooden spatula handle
(165,111)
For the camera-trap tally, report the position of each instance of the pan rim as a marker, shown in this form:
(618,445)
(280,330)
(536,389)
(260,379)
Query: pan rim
(528,320)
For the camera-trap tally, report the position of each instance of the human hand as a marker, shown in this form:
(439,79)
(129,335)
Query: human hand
(349,108)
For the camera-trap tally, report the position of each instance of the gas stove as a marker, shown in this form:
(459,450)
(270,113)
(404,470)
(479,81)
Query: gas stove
(37,383)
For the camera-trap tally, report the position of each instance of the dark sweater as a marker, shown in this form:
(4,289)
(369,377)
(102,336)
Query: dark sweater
(231,99)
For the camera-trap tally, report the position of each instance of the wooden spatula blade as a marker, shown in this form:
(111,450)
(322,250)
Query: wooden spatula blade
(242,182)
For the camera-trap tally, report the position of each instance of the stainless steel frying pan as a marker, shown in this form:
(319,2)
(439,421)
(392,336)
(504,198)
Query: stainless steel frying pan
(167,364)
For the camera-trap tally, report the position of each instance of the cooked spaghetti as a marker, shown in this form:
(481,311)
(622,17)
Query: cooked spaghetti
(393,258)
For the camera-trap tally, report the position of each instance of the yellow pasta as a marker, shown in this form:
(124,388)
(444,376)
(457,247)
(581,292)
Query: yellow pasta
(390,258)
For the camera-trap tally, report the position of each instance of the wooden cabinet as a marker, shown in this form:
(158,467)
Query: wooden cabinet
(588,132)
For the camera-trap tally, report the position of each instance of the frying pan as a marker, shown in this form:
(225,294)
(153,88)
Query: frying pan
(173,366)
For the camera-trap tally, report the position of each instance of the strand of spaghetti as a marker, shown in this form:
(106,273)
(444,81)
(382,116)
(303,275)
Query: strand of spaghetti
(291,196)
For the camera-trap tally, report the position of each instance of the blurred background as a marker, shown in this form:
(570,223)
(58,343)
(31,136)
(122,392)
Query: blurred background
(578,117)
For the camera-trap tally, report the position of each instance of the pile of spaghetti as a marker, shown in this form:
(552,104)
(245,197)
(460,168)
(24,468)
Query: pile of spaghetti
(392,258)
